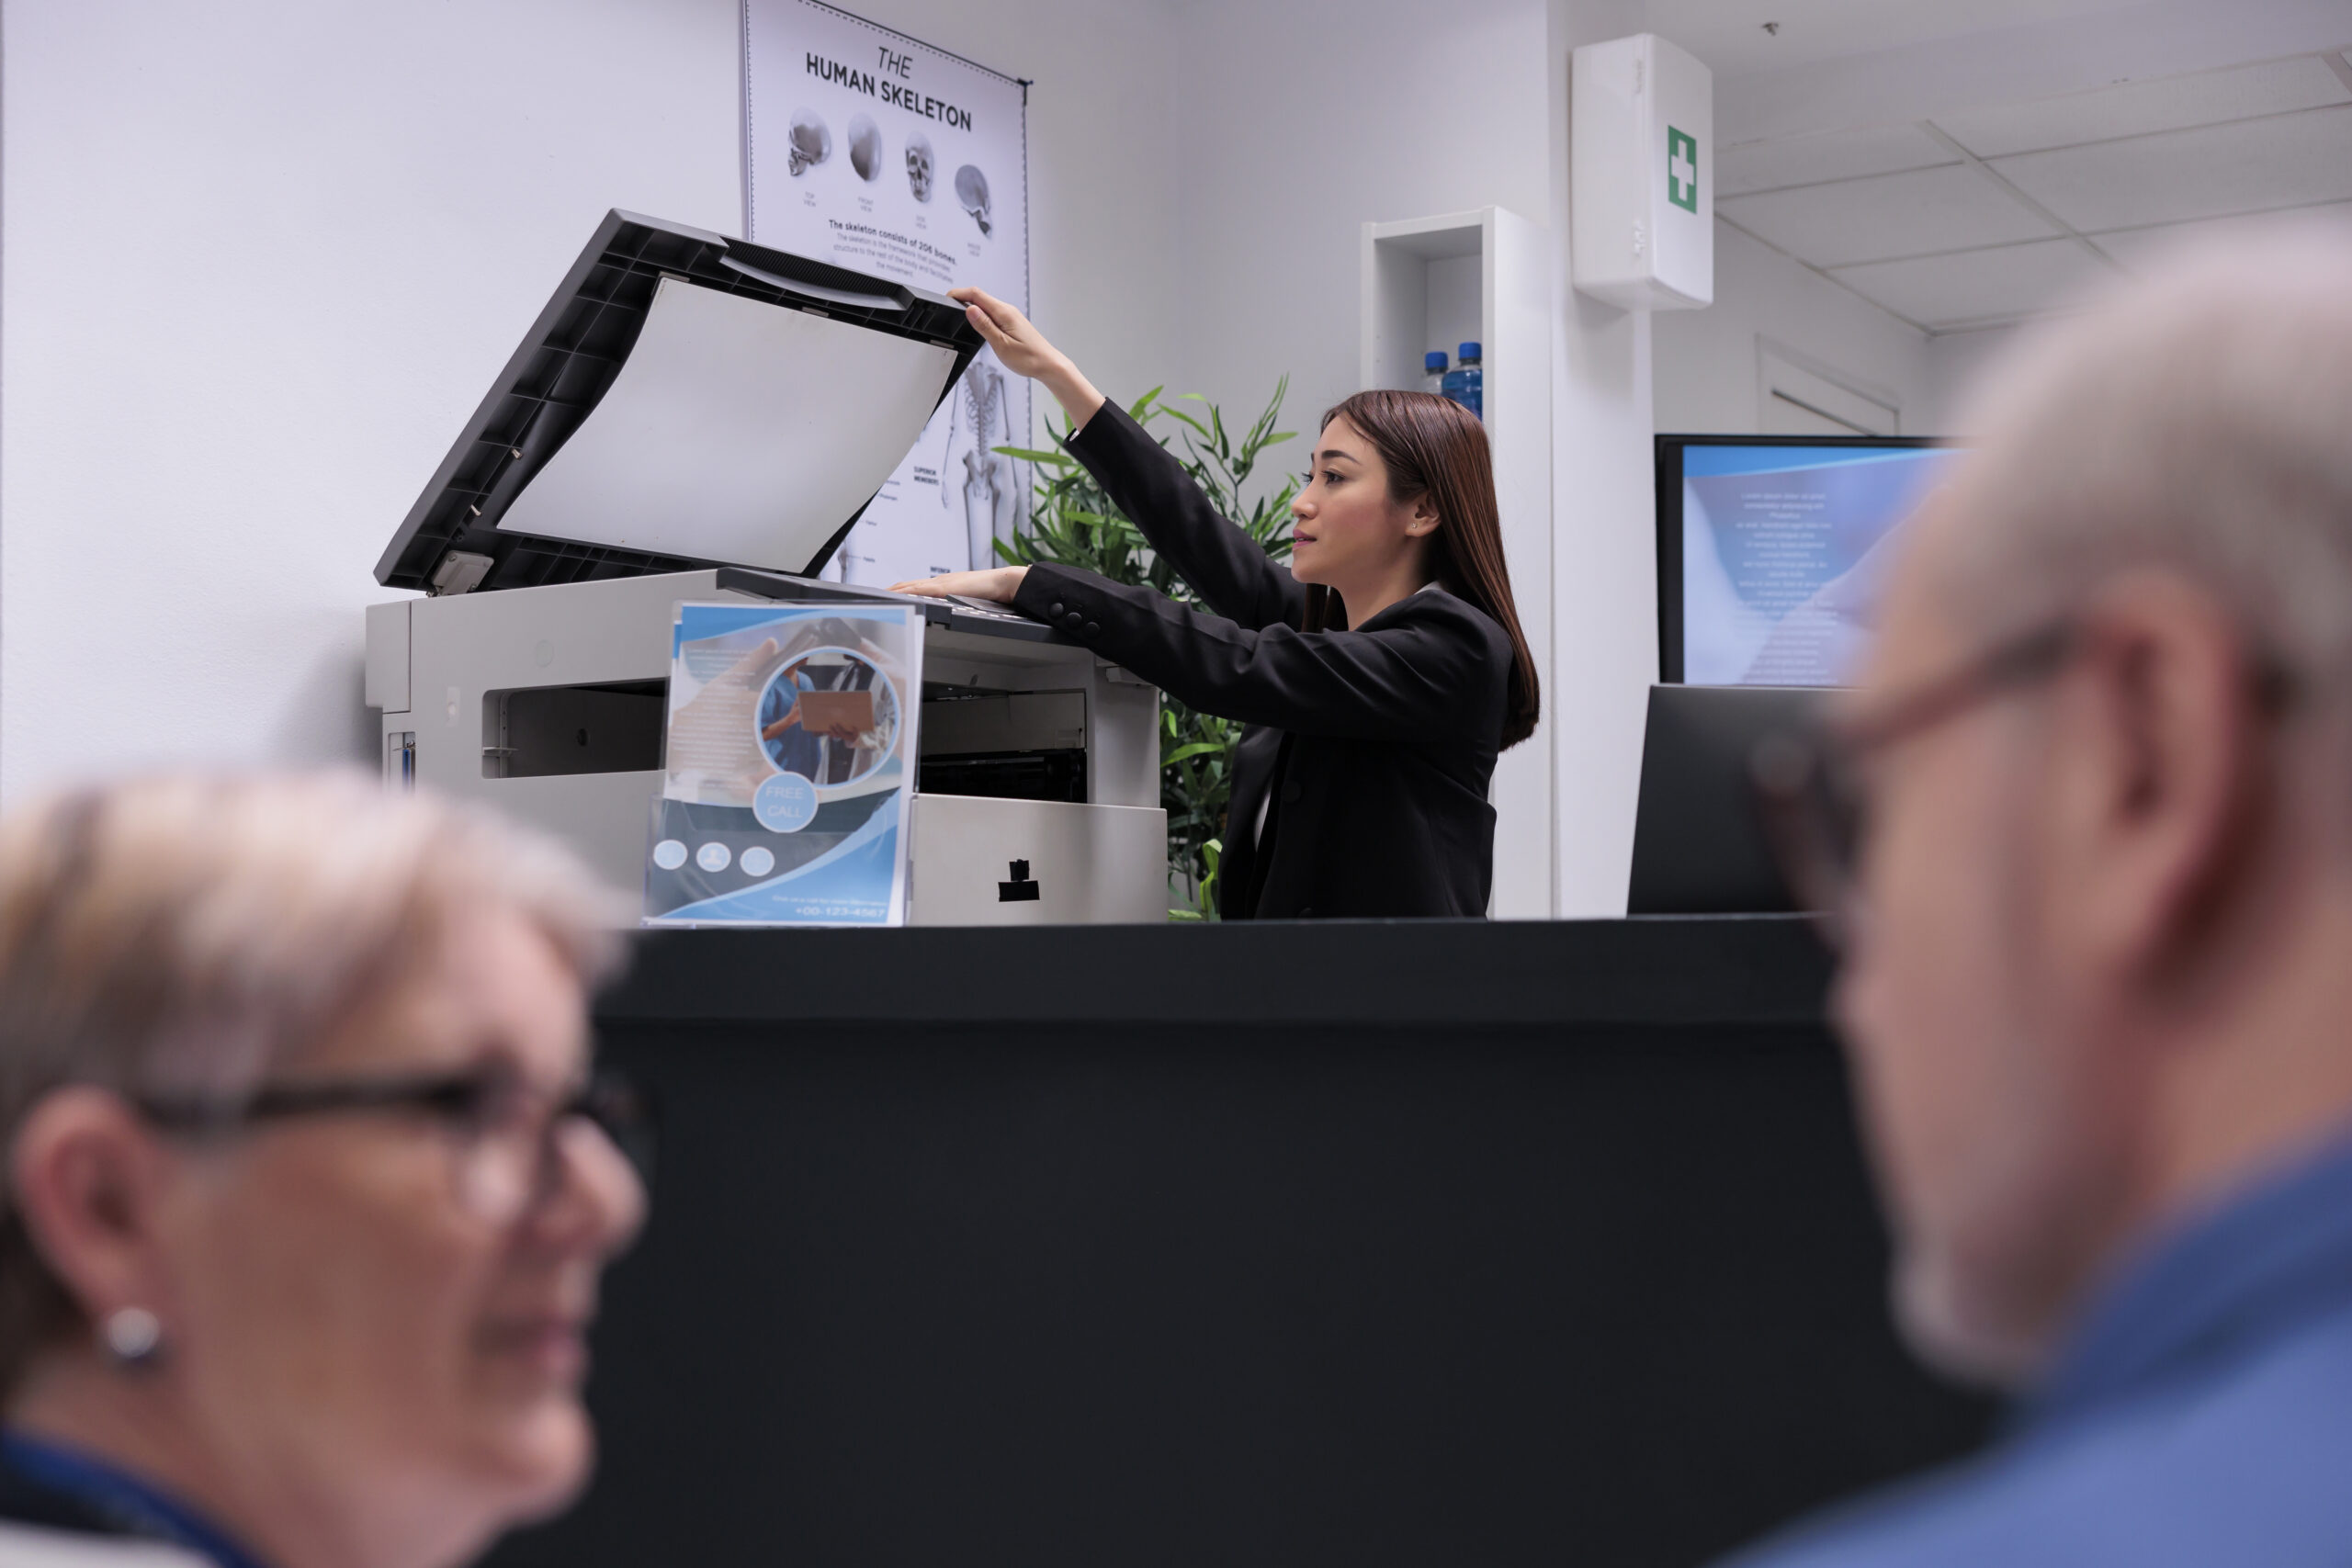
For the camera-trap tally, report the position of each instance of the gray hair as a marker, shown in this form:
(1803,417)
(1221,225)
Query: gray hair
(2202,418)
(183,935)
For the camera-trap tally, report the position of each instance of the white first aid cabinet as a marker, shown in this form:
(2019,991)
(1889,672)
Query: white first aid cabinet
(1642,197)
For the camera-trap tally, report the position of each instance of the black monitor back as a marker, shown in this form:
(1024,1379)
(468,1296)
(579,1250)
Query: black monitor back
(1700,847)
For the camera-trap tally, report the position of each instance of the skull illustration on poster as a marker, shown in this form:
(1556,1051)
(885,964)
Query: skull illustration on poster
(918,166)
(812,143)
(972,190)
(865,147)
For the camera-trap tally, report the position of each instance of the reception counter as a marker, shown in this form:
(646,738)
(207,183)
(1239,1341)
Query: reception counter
(1349,1242)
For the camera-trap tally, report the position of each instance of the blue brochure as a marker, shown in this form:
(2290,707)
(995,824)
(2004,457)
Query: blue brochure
(789,760)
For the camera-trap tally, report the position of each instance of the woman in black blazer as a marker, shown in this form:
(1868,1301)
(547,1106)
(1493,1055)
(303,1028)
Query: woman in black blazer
(1379,676)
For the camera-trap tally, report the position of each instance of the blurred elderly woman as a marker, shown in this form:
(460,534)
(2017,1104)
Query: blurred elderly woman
(309,1183)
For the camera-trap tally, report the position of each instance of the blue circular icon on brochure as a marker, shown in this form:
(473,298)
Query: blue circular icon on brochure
(784,803)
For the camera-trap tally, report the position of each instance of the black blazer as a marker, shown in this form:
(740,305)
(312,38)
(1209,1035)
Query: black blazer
(1379,742)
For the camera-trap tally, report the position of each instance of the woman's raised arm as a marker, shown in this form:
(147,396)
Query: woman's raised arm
(1222,563)
(1024,351)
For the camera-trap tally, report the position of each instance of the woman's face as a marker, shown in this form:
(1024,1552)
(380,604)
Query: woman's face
(387,1303)
(1346,528)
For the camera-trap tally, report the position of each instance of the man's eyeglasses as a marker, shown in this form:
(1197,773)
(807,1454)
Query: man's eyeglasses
(504,1131)
(1809,784)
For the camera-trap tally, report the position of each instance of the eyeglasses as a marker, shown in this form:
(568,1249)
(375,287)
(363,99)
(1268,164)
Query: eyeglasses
(504,1131)
(1809,784)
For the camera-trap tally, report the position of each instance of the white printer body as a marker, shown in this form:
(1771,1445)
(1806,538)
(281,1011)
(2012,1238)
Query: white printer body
(534,673)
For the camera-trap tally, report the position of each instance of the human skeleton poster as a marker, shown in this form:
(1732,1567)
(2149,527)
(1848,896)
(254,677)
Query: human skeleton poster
(877,152)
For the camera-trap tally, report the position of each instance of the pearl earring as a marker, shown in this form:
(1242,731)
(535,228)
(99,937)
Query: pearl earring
(132,1337)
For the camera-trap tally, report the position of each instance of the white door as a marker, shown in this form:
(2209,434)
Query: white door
(1795,400)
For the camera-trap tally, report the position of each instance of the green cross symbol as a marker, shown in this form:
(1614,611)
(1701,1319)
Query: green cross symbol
(1681,170)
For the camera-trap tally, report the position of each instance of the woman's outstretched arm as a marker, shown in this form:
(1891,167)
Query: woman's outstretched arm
(1432,669)
(1023,350)
(1216,556)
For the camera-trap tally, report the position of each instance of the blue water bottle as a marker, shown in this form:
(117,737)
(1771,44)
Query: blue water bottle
(1466,382)
(1433,371)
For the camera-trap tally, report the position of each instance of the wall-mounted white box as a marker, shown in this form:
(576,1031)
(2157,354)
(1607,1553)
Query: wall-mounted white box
(1642,183)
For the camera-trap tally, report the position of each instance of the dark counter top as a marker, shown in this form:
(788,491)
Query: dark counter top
(1373,1242)
(1670,971)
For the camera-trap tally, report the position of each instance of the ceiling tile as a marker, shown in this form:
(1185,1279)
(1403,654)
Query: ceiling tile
(1729,36)
(2288,160)
(1967,286)
(1835,155)
(1885,215)
(2139,109)
(2139,248)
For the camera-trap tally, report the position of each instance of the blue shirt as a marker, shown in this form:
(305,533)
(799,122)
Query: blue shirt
(121,1504)
(2200,1414)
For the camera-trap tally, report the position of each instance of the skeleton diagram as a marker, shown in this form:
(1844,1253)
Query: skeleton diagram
(990,487)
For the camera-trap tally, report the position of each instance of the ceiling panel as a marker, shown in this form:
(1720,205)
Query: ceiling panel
(1837,155)
(2139,109)
(2285,159)
(2139,248)
(1968,286)
(1729,35)
(1885,216)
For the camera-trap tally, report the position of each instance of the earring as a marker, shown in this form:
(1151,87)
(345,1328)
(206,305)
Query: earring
(132,1337)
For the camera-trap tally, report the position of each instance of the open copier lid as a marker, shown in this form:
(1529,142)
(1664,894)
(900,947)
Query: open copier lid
(685,401)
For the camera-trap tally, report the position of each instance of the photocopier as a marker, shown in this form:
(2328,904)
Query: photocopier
(753,404)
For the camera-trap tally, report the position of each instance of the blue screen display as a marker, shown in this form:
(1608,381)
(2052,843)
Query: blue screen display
(1783,551)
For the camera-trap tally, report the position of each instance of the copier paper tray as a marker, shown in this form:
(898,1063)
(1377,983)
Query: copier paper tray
(685,401)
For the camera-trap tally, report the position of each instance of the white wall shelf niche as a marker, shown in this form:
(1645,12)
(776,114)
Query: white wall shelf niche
(1434,283)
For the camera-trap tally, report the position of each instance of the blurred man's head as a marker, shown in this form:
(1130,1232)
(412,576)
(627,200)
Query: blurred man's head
(2101,962)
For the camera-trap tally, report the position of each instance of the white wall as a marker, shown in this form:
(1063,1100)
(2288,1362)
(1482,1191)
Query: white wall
(1298,124)
(1705,361)
(265,257)
(1954,362)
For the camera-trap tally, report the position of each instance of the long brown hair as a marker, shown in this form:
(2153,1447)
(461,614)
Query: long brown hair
(1434,446)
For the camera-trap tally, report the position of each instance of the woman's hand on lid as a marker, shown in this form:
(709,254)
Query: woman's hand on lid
(997,585)
(1015,338)
(1023,350)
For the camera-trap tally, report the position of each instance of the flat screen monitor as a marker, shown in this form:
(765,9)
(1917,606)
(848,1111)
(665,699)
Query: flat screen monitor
(1770,549)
